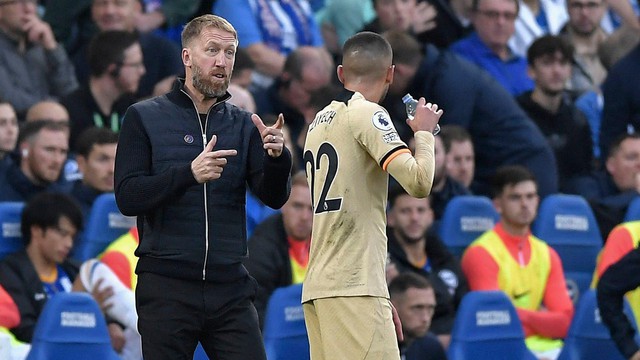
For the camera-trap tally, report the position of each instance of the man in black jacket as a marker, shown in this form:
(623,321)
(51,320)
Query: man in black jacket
(279,247)
(171,153)
(412,247)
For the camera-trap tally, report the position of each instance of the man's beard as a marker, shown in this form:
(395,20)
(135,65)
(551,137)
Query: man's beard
(206,87)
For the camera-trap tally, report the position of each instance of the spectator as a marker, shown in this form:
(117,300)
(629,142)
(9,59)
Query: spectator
(552,109)
(242,98)
(623,239)
(33,66)
(8,135)
(460,159)
(584,32)
(536,18)
(279,246)
(621,91)
(415,301)
(243,69)
(48,110)
(444,186)
(609,191)
(43,147)
(115,59)
(511,259)
(620,278)
(501,131)
(96,156)
(414,247)
(340,19)
(487,46)
(270,31)
(408,16)
(161,57)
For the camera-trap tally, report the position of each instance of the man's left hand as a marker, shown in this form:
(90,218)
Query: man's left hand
(272,136)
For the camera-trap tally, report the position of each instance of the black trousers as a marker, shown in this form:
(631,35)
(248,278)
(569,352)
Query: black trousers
(174,314)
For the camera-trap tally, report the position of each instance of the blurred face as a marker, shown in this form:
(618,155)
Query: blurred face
(494,21)
(115,14)
(624,165)
(517,205)
(550,72)
(209,60)
(45,156)
(242,78)
(54,244)
(415,308)
(97,168)
(297,214)
(14,15)
(440,161)
(585,15)
(395,14)
(410,217)
(461,162)
(298,93)
(131,70)
(8,128)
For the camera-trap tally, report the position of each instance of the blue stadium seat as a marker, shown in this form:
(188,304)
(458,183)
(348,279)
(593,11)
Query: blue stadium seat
(10,235)
(285,333)
(71,327)
(588,338)
(568,225)
(465,218)
(633,211)
(104,225)
(487,327)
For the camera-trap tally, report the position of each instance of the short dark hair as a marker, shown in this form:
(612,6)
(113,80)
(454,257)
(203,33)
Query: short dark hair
(475,5)
(243,60)
(453,133)
(407,280)
(45,210)
(406,49)
(509,175)
(108,47)
(94,136)
(615,145)
(549,45)
(395,191)
(31,128)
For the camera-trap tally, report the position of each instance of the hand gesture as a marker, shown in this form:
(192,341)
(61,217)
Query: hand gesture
(272,136)
(39,32)
(209,164)
(426,117)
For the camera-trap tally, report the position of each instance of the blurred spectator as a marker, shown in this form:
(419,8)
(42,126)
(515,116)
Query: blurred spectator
(621,91)
(511,259)
(414,247)
(48,110)
(535,19)
(622,13)
(584,32)
(162,60)
(609,191)
(33,66)
(242,98)
(415,301)
(116,62)
(43,147)
(621,240)
(487,46)
(8,134)
(340,19)
(96,157)
(552,109)
(243,69)
(270,31)
(166,17)
(279,246)
(501,131)
(460,159)
(444,187)
(306,71)
(70,22)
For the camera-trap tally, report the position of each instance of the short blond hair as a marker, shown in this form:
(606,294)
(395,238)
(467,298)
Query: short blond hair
(195,27)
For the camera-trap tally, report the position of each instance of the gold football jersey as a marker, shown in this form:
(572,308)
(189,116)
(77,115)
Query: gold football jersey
(347,150)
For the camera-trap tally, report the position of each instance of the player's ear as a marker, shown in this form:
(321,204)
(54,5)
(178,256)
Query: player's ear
(390,72)
(340,71)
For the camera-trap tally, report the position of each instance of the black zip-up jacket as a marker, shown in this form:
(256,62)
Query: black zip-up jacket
(190,230)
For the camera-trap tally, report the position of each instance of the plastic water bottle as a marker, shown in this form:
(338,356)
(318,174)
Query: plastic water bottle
(411,104)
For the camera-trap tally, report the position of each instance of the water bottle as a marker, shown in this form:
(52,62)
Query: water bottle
(411,104)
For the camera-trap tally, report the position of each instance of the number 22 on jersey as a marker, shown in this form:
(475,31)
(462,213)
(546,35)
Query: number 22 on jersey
(312,164)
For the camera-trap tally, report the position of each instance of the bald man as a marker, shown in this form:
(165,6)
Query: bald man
(48,110)
(350,149)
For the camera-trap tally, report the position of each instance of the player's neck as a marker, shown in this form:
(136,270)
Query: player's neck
(371,92)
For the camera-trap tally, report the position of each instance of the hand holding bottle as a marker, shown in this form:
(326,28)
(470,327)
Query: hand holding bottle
(422,115)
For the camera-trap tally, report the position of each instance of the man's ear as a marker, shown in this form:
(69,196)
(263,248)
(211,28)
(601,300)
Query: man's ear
(390,72)
(186,57)
(340,71)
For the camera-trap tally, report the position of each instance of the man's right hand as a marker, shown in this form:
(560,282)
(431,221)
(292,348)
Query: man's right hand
(209,164)
(426,117)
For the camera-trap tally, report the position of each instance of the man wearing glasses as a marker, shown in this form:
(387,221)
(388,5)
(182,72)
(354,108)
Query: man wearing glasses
(33,66)
(487,46)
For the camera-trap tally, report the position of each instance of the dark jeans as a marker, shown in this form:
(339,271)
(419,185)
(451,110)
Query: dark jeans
(174,314)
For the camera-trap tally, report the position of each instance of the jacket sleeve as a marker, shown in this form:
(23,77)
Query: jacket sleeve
(269,178)
(137,190)
(615,282)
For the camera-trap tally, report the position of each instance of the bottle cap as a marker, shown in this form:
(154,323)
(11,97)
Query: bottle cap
(407,98)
